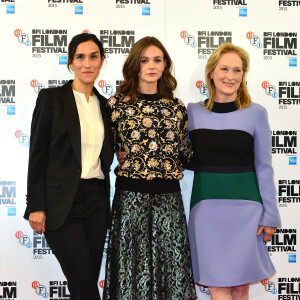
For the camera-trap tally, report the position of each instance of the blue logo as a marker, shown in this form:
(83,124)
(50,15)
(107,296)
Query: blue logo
(271,288)
(108,90)
(42,291)
(145,11)
(23,38)
(23,139)
(292,258)
(293,160)
(11,211)
(204,90)
(24,240)
(243,12)
(11,110)
(270,90)
(254,39)
(10,9)
(38,88)
(188,39)
(63,60)
(78,10)
(293,62)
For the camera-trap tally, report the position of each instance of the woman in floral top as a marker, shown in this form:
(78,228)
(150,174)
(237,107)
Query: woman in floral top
(149,255)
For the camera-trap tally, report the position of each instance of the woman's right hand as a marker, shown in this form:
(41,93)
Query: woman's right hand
(268,232)
(37,221)
(121,155)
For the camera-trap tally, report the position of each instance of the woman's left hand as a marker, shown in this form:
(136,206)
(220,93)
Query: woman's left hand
(269,231)
(121,155)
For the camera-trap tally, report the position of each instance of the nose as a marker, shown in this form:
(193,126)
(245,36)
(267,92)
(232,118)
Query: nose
(230,74)
(87,63)
(151,64)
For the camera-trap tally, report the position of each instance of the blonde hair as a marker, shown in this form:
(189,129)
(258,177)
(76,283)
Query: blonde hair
(243,98)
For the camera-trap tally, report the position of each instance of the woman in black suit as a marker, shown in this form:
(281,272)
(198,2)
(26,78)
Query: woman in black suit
(70,155)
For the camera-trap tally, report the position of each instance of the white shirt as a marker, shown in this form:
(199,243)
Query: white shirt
(92,135)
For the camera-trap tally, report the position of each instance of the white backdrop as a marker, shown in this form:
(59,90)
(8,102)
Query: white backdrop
(34,37)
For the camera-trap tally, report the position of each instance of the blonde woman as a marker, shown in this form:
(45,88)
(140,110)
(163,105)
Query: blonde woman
(233,204)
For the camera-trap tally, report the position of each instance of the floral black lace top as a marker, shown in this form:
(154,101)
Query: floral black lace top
(153,133)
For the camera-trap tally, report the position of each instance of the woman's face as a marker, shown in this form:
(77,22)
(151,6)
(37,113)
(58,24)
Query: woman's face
(227,76)
(86,63)
(152,65)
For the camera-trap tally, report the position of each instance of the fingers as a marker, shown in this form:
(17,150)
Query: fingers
(269,231)
(37,221)
(260,229)
(43,225)
(37,226)
(121,155)
(267,237)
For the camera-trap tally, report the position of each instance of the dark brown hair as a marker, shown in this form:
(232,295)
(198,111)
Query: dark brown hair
(131,69)
(81,38)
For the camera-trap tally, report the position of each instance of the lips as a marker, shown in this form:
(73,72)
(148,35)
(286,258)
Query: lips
(229,84)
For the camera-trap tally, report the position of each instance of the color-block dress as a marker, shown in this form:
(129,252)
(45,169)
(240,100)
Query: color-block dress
(233,193)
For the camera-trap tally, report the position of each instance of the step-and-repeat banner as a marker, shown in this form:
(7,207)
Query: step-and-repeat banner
(34,37)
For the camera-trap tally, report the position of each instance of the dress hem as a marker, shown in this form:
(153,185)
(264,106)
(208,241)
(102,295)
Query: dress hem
(249,281)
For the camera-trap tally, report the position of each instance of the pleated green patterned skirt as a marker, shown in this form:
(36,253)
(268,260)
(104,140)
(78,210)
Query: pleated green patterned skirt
(148,256)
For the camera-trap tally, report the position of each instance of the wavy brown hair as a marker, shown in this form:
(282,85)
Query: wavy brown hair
(243,98)
(131,69)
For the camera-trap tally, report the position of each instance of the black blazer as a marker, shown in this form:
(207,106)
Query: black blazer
(54,166)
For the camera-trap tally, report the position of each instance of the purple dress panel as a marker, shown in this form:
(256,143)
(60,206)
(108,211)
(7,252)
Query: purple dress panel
(225,249)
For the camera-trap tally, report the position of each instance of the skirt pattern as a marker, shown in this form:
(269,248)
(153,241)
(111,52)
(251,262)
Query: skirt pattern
(148,256)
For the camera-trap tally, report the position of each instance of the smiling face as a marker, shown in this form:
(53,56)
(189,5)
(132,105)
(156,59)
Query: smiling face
(86,64)
(152,65)
(227,77)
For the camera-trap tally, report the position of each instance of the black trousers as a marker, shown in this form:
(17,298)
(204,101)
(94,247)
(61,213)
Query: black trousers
(78,244)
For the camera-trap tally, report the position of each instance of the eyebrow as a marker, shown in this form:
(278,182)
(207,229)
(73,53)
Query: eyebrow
(233,67)
(84,53)
(153,57)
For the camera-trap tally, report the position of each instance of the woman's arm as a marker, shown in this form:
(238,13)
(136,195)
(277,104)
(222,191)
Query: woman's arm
(264,171)
(113,116)
(41,125)
(185,148)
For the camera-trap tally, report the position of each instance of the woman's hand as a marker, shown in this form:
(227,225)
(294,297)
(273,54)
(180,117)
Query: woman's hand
(121,155)
(269,231)
(37,221)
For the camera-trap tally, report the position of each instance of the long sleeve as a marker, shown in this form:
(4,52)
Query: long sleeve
(153,133)
(113,115)
(185,148)
(41,125)
(264,171)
